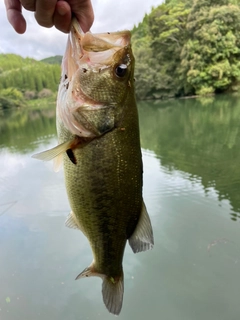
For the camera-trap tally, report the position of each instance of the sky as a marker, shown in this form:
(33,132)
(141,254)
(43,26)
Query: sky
(39,43)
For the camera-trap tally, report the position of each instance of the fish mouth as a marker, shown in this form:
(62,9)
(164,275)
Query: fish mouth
(88,44)
(95,53)
(99,41)
(96,50)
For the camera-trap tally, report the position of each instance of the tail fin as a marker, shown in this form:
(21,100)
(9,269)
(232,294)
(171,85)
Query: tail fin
(112,288)
(112,291)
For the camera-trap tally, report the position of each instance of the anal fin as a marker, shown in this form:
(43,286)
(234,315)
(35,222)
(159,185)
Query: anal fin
(142,237)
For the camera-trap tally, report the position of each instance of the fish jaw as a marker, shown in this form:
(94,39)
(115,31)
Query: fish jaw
(89,80)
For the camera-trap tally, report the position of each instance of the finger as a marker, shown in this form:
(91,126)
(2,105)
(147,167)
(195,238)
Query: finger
(62,16)
(29,5)
(85,15)
(44,12)
(14,15)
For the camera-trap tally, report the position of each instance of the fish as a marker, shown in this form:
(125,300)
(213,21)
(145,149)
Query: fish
(99,143)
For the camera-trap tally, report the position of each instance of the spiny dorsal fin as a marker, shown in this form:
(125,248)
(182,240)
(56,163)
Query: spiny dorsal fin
(54,152)
(142,237)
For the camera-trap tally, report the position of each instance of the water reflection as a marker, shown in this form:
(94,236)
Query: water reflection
(190,180)
(200,137)
(22,129)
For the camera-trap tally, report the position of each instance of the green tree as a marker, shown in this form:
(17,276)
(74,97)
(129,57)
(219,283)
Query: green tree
(157,45)
(168,31)
(28,74)
(143,56)
(210,56)
(11,97)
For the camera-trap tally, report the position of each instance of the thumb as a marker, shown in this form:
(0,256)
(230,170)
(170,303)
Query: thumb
(84,14)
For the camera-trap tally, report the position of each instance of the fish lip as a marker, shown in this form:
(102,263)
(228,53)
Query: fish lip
(76,26)
(116,39)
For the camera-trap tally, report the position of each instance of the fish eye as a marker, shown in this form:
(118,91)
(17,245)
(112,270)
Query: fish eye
(121,70)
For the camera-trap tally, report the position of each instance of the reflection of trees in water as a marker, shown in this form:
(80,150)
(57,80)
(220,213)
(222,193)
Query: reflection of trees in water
(20,128)
(201,137)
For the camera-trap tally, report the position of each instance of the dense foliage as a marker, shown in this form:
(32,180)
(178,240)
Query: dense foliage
(188,47)
(182,48)
(27,78)
(53,60)
(27,74)
(11,97)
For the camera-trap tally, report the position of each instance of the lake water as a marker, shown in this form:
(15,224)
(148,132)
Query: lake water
(191,154)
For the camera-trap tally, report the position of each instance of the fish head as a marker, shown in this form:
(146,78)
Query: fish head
(105,76)
(97,78)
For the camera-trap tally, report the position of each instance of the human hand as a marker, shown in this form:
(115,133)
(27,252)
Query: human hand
(50,13)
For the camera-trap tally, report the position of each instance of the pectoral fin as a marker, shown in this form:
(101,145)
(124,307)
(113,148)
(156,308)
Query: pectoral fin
(67,147)
(54,152)
(57,162)
(142,237)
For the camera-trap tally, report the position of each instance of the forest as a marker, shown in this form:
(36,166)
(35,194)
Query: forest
(188,47)
(23,79)
(182,48)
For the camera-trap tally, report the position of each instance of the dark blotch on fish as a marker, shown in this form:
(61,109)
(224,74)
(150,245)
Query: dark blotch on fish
(71,156)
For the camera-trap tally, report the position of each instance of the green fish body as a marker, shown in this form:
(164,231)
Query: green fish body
(98,131)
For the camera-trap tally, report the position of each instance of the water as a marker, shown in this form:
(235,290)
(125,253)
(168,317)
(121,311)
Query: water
(191,154)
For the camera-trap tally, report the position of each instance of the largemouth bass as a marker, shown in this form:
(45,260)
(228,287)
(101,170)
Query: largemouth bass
(98,132)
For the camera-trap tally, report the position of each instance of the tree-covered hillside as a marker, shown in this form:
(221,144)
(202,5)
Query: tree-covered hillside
(53,60)
(188,47)
(182,48)
(22,79)
(27,74)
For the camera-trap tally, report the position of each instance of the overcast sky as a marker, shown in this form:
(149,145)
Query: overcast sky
(39,42)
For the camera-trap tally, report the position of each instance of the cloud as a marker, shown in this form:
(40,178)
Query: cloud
(36,42)
(39,42)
